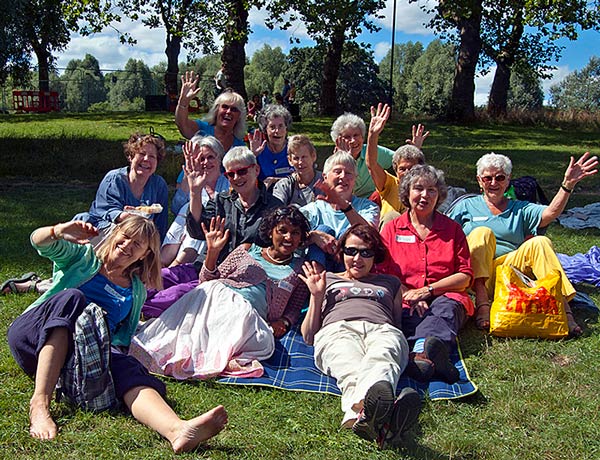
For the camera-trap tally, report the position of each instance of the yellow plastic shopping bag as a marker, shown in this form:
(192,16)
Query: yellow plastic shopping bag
(528,308)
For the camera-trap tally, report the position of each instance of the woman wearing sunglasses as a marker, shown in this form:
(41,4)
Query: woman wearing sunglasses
(226,119)
(429,253)
(354,320)
(503,231)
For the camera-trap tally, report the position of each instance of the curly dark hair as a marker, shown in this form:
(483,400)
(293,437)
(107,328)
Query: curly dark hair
(369,235)
(288,213)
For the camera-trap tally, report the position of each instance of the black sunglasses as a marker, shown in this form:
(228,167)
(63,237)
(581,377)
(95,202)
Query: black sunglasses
(364,253)
(240,172)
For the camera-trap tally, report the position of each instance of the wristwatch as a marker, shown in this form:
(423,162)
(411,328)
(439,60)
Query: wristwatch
(430,289)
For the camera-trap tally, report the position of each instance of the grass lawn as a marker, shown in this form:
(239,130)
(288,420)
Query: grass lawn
(537,400)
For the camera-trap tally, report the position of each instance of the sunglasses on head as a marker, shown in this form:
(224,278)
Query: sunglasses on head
(497,178)
(240,172)
(364,253)
(154,134)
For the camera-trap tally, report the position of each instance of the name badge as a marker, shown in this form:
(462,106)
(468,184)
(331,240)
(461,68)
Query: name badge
(480,218)
(286,286)
(283,170)
(405,239)
(114,293)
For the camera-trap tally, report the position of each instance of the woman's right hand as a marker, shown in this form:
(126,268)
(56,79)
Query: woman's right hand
(77,232)
(314,278)
(216,236)
(195,173)
(189,89)
(257,142)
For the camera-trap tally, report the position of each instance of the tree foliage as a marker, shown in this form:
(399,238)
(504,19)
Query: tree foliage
(134,81)
(264,70)
(429,87)
(405,55)
(358,86)
(14,58)
(331,23)
(525,91)
(82,84)
(580,90)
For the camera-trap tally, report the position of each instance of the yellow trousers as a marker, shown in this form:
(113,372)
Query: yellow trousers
(535,257)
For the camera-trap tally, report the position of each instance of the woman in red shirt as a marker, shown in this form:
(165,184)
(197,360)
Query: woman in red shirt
(430,255)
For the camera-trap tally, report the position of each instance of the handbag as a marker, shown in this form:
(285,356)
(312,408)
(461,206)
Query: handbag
(523,307)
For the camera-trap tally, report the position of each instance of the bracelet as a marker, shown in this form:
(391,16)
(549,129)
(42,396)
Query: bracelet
(568,190)
(346,209)
(208,270)
(53,236)
(181,105)
(286,322)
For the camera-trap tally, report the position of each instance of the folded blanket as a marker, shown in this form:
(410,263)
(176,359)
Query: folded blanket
(292,367)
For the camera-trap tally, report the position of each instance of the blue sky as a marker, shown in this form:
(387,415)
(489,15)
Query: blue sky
(410,26)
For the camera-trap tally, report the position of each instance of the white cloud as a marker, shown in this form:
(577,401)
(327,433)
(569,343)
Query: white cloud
(380,50)
(483,83)
(410,18)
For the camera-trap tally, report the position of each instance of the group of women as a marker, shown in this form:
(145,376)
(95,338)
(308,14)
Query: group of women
(235,275)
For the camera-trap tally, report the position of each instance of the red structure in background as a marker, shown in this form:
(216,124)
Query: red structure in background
(35,101)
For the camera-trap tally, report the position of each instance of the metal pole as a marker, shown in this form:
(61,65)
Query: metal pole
(392,57)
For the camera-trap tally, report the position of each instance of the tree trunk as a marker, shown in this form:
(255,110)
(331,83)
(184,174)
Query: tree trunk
(44,58)
(462,103)
(331,71)
(233,56)
(171,75)
(498,101)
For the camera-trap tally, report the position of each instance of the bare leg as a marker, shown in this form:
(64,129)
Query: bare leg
(50,361)
(482,303)
(149,408)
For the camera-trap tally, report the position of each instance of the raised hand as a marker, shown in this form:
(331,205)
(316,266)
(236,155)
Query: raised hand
(342,144)
(314,278)
(330,194)
(189,89)
(379,117)
(580,169)
(216,236)
(78,232)
(418,136)
(257,142)
(194,171)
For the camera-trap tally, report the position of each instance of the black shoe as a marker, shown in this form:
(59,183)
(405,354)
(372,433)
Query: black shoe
(439,354)
(405,413)
(419,367)
(377,410)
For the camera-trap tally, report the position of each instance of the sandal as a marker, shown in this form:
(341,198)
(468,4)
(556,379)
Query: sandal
(10,285)
(482,316)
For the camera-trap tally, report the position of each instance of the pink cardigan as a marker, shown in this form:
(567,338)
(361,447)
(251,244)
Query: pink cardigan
(240,270)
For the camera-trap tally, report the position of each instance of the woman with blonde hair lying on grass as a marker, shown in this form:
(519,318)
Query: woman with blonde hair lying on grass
(113,277)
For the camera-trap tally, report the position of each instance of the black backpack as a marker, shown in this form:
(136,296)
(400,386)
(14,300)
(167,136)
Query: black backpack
(526,188)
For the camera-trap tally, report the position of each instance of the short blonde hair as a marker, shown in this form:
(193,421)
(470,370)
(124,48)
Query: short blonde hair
(148,268)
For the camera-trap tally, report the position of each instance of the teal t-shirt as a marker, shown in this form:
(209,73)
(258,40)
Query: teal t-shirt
(364,185)
(256,295)
(518,221)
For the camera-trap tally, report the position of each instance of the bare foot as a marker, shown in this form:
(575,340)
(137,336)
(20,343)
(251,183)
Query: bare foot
(41,426)
(197,430)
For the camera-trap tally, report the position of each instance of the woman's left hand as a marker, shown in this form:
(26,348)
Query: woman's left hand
(414,295)
(279,328)
(580,169)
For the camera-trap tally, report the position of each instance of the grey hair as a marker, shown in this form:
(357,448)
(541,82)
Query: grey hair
(345,121)
(494,161)
(339,158)
(409,153)
(230,98)
(297,141)
(427,172)
(271,111)
(239,155)
(210,142)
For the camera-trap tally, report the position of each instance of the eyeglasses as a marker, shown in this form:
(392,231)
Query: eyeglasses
(240,172)
(364,253)
(206,158)
(233,108)
(497,178)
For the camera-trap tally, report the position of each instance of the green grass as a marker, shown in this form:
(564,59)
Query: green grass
(537,400)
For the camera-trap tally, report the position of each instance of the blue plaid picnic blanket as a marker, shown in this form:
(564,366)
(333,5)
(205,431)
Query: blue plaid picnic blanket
(292,367)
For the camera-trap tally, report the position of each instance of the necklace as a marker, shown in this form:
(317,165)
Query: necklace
(283,261)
